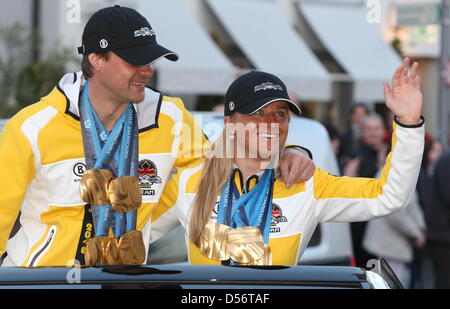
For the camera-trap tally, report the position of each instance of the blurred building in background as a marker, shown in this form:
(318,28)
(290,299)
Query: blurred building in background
(414,28)
(330,53)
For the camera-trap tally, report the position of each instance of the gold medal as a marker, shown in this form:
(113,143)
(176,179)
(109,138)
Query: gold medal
(94,186)
(131,248)
(93,255)
(265,260)
(245,244)
(213,241)
(125,194)
(111,252)
(95,251)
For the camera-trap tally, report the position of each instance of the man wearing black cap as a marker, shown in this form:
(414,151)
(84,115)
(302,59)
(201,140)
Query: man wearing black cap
(103,120)
(118,46)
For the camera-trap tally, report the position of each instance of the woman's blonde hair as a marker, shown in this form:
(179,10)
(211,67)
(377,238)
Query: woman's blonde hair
(216,171)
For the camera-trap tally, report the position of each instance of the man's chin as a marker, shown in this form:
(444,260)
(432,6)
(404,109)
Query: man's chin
(138,99)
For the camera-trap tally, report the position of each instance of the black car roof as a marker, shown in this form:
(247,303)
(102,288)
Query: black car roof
(332,276)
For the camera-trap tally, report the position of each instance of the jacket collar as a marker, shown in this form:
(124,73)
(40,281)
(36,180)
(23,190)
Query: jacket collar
(250,182)
(71,85)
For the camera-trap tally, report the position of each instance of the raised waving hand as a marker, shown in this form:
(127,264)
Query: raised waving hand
(404,98)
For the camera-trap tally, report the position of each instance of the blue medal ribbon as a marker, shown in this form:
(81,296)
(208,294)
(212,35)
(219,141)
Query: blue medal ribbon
(253,208)
(116,151)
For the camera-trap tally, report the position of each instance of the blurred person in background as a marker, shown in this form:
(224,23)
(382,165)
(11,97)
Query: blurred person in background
(333,133)
(422,268)
(434,195)
(395,236)
(368,158)
(388,127)
(349,140)
(431,154)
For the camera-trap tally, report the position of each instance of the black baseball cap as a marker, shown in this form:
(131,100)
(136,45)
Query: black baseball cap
(125,32)
(254,90)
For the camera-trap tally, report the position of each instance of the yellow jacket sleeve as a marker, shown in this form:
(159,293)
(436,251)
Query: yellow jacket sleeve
(192,143)
(17,169)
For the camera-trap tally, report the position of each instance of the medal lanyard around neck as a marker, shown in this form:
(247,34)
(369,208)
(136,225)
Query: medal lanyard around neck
(116,151)
(253,208)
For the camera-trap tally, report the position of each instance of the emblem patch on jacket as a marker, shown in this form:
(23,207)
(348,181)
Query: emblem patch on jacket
(277,217)
(148,176)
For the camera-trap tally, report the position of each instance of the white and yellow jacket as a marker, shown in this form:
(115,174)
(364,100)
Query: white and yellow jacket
(297,211)
(42,161)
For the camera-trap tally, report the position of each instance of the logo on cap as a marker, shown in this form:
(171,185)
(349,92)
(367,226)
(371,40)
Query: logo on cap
(103,43)
(268,85)
(144,31)
(231,105)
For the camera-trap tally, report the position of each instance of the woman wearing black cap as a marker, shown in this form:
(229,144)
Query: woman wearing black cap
(235,208)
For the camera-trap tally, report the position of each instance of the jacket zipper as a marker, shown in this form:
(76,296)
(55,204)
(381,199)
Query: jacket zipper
(44,248)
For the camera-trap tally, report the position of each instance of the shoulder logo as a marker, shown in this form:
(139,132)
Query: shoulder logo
(148,176)
(144,31)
